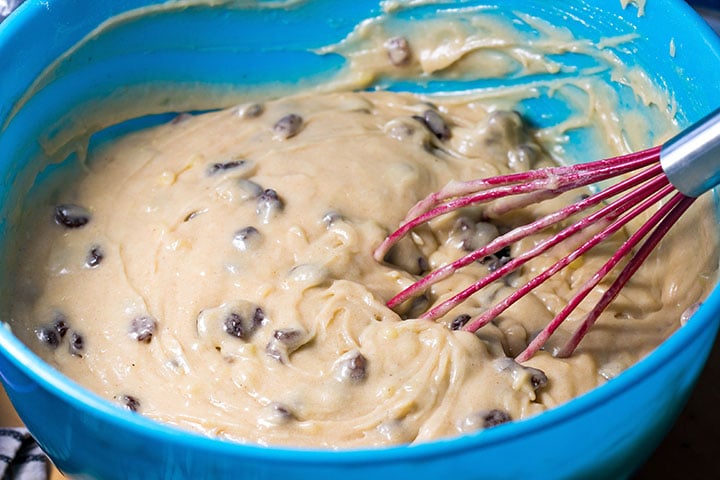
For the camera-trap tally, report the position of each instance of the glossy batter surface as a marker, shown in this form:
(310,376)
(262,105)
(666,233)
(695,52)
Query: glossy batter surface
(216,273)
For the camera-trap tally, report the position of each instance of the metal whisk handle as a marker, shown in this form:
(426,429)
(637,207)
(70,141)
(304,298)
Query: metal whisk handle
(691,160)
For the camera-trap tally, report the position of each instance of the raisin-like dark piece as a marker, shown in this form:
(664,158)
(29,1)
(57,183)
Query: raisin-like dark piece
(77,344)
(143,328)
(246,238)
(233,325)
(352,366)
(538,379)
(288,126)
(239,327)
(71,216)
(258,317)
(60,324)
(284,342)
(436,124)
(268,204)
(220,167)
(498,259)
(278,414)
(459,321)
(398,51)
(49,336)
(94,257)
(495,417)
(129,402)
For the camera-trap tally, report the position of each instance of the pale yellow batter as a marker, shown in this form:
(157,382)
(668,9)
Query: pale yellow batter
(216,272)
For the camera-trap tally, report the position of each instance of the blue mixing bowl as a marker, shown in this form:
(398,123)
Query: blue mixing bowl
(239,45)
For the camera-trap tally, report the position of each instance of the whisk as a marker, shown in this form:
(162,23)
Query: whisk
(682,169)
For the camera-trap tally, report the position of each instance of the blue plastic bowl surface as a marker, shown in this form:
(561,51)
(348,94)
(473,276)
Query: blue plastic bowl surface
(606,433)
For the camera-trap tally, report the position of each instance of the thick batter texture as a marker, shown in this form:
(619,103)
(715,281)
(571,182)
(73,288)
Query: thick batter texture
(216,273)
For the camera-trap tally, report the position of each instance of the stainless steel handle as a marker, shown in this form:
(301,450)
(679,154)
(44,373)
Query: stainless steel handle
(691,160)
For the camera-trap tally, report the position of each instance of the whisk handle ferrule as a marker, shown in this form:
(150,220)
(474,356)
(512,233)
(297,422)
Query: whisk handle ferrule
(691,160)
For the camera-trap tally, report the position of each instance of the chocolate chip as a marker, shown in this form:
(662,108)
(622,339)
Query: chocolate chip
(49,336)
(129,402)
(352,366)
(522,374)
(398,51)
(246,238)
(538,379)
(436,124)
(77,344)
(484,419)
(53,333)
(234,326)
(71,216)
(269,204)
(495,417)
(237,325)
(459,321)
(278,413)
(251,110)
(284,342)
(220,166)
(143,328)
(94,257)
(288,126)
(60,324)
(498,259)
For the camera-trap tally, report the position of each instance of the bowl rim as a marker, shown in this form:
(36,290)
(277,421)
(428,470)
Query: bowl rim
(51,380)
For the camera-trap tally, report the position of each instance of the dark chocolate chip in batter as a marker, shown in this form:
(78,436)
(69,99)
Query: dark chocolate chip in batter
(48,335)
(223,166)
(284,342)
(77,344)
(459,321)
(398,51)
(268,204)
(129,402)
(71,216)
(60,324)
(246,238)
(436,124)
(279,414)
(233,325)
(495,417)
(538,379)
(288,126)
(94,257)
(498,259)
(352,366)
(143,328)
(236,325)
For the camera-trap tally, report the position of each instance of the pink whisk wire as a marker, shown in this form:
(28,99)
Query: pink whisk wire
(623,202)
